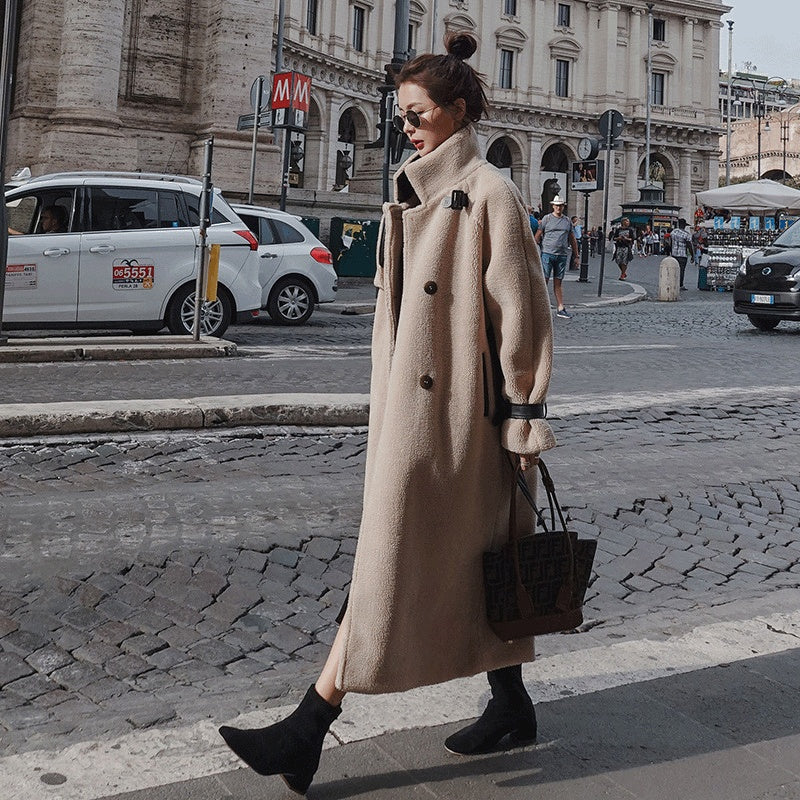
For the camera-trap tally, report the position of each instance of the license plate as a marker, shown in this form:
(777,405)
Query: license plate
(762,298)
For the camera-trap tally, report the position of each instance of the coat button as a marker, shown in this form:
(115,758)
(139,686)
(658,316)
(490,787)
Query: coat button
(426,382)
(431,287)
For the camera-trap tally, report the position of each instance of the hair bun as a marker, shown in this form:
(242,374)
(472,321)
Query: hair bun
(460,44)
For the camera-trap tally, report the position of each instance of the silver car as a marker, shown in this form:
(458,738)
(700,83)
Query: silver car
(296,268)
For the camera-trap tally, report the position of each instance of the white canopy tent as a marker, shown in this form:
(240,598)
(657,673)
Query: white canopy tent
(754,197)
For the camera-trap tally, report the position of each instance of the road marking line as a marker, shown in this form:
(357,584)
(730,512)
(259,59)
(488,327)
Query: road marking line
(605,348)
(157,757)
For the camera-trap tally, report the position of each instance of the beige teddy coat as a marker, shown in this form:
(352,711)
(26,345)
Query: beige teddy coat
(438,480)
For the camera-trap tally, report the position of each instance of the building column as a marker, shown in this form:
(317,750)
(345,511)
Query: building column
(85,126)
(230,63)
(636,64)
(687,63)
(608,36)
(535,162)
(632,172)
(542,69)
(684,199)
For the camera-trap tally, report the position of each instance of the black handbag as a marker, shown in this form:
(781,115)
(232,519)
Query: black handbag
(535,584)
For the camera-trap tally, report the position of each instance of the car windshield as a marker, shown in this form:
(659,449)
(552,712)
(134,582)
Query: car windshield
(790,237)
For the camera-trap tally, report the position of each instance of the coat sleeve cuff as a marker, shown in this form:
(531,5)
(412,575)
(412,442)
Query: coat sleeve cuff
(527,436)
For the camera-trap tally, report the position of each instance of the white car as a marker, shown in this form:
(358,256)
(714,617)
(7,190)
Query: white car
(119,250)
(296,268)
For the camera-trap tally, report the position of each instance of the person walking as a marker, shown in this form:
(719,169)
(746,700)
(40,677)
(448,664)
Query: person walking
(623,252)
(681,241)
(577,229)
(556,238)
(462,308)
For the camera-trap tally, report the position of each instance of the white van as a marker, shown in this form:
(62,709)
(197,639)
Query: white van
(119,250)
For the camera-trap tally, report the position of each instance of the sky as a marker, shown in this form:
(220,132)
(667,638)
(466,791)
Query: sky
(764,33)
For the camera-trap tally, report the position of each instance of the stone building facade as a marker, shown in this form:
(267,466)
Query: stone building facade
(140,84)
(776,101)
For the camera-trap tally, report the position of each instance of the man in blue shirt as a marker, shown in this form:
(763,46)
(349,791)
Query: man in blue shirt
(556,238)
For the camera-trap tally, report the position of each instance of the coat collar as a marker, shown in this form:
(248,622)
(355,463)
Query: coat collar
(439,171)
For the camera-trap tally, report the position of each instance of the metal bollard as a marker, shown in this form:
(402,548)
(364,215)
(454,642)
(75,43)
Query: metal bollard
(668,277)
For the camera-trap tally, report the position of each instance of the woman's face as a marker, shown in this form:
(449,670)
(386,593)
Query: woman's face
(437,123)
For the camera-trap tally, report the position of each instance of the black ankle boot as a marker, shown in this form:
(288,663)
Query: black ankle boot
(509,713)
(290,748)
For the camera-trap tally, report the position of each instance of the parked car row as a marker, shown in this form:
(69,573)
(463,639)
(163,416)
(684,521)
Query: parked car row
(120,250)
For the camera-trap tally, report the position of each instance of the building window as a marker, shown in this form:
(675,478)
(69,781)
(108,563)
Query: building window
(657,90)
(563,15)
(359,24)
(506,69)
(412,28)
(562,77)
(510,7)
(311,16)
(659,30)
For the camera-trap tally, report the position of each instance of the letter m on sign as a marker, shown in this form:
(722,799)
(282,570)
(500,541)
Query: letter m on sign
(282,90)
(302,92)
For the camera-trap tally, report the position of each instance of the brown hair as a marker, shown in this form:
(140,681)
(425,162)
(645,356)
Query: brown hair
(446,78)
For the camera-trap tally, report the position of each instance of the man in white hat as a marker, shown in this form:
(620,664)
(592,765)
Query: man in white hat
(556,238)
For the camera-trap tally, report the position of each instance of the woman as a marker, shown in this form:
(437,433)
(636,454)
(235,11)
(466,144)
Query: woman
(457,269)
(623,253)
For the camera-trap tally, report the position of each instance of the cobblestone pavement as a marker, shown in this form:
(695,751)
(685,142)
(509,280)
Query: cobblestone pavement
(232,551)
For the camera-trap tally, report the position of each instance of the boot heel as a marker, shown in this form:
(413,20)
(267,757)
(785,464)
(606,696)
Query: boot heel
(522,736)
(299,784)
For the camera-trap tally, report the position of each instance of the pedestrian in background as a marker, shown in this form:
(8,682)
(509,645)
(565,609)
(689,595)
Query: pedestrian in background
(594,236)
(556,238)
(681,241)
(577,229)
(458,278)
(533,217)
(623,253)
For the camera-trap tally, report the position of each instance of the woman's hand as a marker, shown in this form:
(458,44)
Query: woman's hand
(528,461)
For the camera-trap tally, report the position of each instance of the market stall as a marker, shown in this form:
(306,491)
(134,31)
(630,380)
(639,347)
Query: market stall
(747,217)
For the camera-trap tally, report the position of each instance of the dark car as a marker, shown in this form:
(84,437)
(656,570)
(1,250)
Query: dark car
(767,287)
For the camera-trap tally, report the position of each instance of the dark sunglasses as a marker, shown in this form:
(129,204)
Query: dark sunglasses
(414,117)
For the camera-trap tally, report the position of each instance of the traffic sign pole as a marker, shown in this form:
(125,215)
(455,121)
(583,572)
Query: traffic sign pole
(584,274)
(610,124)
(257,107)
(6,86)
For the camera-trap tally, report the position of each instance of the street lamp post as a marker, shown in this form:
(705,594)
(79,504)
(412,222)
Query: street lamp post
(759,111)
(786,117)
(730,78)
(649,95)
(760,91)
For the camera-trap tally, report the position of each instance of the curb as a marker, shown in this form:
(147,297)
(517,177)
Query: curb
(113,348)
(635,294)
(638,293)
(127,416)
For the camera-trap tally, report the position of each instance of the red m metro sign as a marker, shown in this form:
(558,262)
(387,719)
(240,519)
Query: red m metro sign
(291,95)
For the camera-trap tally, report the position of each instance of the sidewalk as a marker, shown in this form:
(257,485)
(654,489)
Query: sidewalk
(724,733)
(707,714)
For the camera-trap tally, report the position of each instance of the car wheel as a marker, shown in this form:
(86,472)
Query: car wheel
(214,316)
(763,323)
(291,301)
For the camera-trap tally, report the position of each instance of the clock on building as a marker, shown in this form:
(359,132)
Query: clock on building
(587,149)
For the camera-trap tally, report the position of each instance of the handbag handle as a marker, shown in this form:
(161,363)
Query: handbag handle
(524,601)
